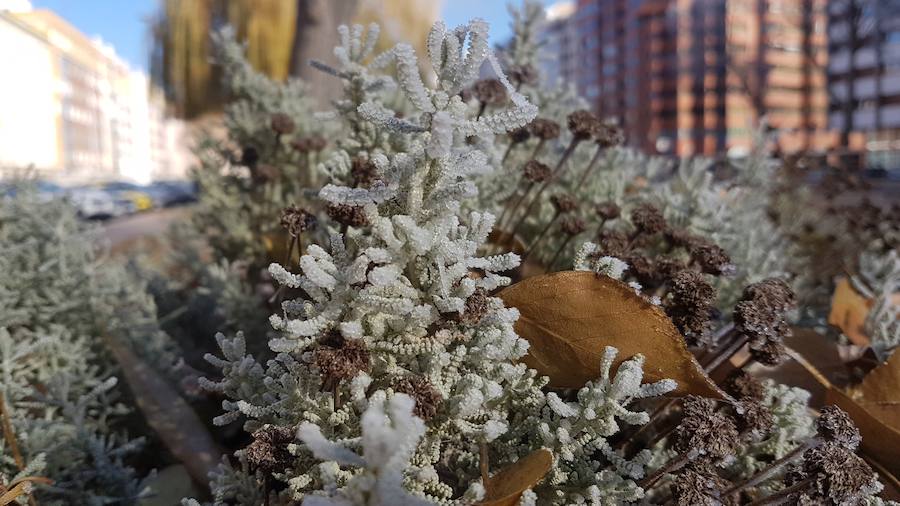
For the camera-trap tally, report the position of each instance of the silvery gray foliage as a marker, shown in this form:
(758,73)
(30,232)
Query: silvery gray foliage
(58,297)
(410,290)
(882,325)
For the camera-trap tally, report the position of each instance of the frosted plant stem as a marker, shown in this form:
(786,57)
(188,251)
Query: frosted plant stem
(484,464)
(9,436)
(540,237)
(515,207)
(537,149)
(590,166)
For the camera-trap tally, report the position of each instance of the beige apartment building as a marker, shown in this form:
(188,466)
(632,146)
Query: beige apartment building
(76,112)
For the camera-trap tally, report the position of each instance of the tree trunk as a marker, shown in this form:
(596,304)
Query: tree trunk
(314,38)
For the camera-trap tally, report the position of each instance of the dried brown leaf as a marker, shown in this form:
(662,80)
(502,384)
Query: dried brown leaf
(882,384)
(173,419)
(570,317)
(848,312)
(506,487)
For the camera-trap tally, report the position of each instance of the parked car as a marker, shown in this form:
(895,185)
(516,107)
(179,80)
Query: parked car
(124,193)
(93,203)
(170,193)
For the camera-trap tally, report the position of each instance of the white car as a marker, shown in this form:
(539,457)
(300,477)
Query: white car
(94,203)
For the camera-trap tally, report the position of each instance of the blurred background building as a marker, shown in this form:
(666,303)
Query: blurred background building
(74,111)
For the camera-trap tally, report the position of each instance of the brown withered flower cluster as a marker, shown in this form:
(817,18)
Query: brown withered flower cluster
(536,172)
(364,172)
(698,484)
(760,316)
(544,129)
(705,429)
(519,135)
(564,203)
(297,220)
(268,452)
(523,74)
(282,124)
(427,397)
(489,91)
(690,305)
(608,134)
(648,219)
(309,144)
(345,214)
(340,359)
(607,210)
(583,124)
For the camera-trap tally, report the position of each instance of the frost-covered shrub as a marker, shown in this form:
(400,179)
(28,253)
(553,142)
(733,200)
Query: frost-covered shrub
(399,303)
(59,299)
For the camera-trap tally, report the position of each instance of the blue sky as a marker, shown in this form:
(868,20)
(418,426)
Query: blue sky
(123,23)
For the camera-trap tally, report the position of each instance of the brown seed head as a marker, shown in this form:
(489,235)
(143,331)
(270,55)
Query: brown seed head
(564,203)
(712,258)
(518,135)
(608,210)
(582,124)
(524,74)
(309,144)
(297,220)
(268,452)
(647,219)
(345,214)
(698,484)
(608,134)
(490,91)
(476,308)
(680,238)
(544,129)
(755,420)
(743,385)
(704,428)
(427,398)
(613,243)
(536,172)
(572,225)
(343,362)
(364,172)
(282,124)
(835,425)
(839,475)
(263,173)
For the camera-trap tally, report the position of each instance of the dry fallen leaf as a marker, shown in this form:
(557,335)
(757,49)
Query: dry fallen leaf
(176,423)
(276,245)
(880,442)
(569,317)
(506,487)
(848,312)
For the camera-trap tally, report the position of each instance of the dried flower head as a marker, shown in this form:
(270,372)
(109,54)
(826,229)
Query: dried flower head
(268,452)
(519,135)
(476,307)
(743,385)
(342,362)
(836,475)
(648,219)
(608,210)
(536,172)
(297,220)
(698,484)
(705,429)
(263,173)
(364,172)
(282,124)
(644,269)
(755,419)
(680,238)
(544,129)
(423,392)
(773,293)
(760,314)
(613,243)
(490,91)
(564,203)
(608,134)
(582,124)
(711,258)
(572,225)
(345,214)
(523,74)
(690,305)
(835,425)
(309,144)
(667,268)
